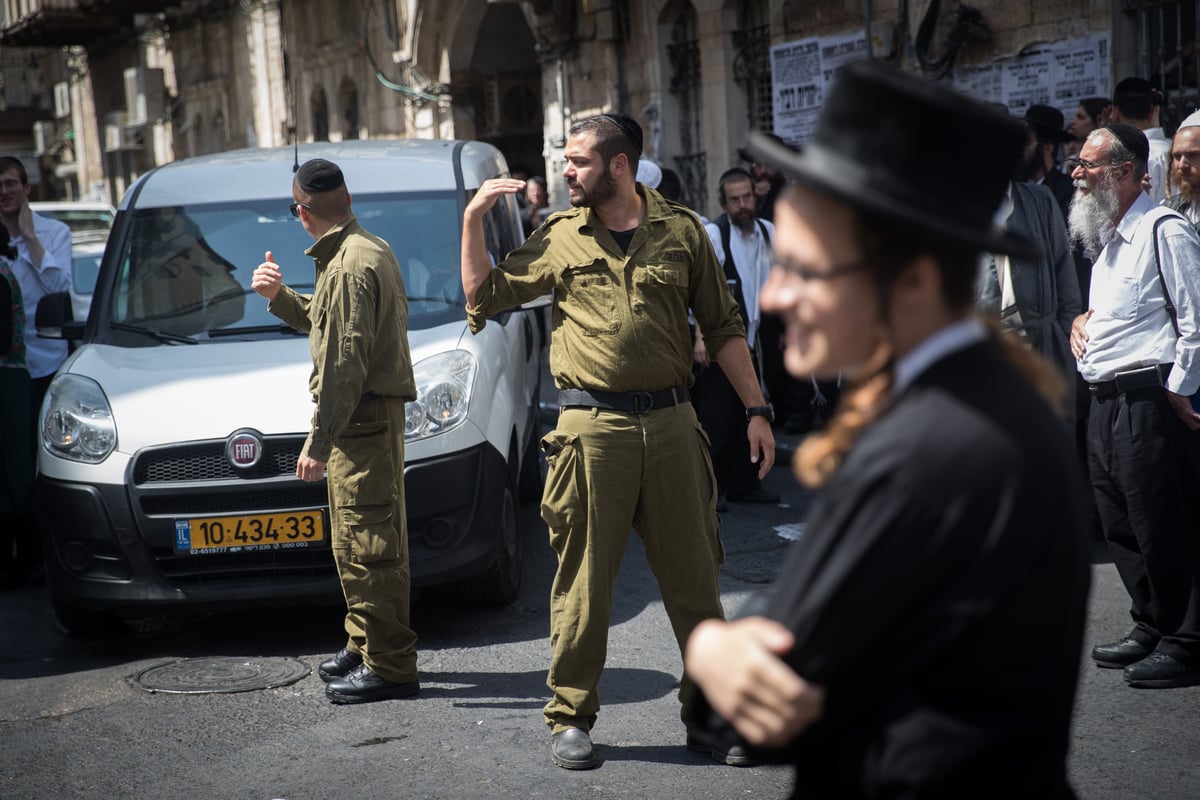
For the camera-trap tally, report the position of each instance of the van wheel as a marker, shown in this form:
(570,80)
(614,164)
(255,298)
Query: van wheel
(500,583)
(85,623)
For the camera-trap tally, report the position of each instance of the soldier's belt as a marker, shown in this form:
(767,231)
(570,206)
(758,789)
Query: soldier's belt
(629,402)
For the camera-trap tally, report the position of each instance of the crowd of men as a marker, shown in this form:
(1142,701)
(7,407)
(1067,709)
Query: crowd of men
(1095,268)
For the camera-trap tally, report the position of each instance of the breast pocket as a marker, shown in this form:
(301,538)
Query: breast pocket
(591,301)
(662,279)
(1125,298)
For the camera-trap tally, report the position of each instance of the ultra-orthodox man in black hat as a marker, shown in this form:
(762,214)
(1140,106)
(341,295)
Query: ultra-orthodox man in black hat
(923,637)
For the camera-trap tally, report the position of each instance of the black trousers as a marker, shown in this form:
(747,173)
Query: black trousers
(1143,468)
(723,418)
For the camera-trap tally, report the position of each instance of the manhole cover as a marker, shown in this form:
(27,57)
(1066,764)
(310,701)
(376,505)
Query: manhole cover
(221,675)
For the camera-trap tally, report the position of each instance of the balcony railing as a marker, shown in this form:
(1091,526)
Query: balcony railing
(60,23)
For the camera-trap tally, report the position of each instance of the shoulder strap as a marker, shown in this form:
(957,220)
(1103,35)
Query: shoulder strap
(723,227)
(762,226)
(1170,304)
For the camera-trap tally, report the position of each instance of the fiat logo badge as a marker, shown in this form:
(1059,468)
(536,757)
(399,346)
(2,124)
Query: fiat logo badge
(244,449)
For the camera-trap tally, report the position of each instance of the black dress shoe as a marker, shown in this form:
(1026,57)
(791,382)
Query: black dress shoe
(572,749)
(342,662)
(1161,671)
(363,685)
(752,496)
(735,756)
(1116,655)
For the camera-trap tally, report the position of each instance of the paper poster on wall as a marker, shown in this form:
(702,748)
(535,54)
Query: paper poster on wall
(1028,81)
(984,82)
(1059,74)
(837,52)
(797,91)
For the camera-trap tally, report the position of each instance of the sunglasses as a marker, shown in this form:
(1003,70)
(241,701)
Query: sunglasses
(295,208)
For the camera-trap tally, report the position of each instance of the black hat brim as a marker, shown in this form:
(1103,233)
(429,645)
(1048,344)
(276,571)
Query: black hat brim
(1048,135)
(828,174)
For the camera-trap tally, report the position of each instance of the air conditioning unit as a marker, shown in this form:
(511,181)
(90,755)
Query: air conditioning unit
(43,137)
(145,94)
(62,100)
(122,134)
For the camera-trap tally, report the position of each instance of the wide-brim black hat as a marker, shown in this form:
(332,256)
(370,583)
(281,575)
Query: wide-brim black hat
(1047,123)
(902,148)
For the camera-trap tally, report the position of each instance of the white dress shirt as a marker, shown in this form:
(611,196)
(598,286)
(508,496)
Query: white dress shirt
(752,258)
(44,356)
(1158,163)
(1131,327)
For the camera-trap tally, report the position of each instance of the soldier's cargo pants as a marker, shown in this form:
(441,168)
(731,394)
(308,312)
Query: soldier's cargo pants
(609,472)
(365,475)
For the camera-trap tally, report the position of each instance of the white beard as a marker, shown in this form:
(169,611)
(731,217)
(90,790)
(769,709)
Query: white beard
(1090,221)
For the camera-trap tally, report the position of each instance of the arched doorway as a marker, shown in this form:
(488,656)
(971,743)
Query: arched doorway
(508,86)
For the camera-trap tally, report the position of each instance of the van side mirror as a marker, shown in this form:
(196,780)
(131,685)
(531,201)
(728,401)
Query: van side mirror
(55,319)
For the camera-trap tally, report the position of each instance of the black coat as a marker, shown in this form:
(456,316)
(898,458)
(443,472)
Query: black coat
(939,594)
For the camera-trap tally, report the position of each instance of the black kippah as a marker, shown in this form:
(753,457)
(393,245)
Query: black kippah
(1133,139)
(629,126)
(318,175)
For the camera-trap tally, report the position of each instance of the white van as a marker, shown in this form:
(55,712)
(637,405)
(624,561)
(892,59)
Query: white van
(170,436)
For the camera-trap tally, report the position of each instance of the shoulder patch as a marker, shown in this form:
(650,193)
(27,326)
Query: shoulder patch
(559,216)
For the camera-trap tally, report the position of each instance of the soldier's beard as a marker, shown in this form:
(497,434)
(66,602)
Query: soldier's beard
(604,190)
(1091,218)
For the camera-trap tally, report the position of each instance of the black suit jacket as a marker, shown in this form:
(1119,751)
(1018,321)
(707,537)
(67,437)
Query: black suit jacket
(939,594)
(1063,189)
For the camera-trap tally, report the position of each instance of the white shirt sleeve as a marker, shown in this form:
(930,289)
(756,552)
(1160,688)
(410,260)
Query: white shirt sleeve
(714,235)
(54,274)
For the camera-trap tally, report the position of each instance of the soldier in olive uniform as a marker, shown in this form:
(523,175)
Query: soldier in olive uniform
(357,321)
(625,267)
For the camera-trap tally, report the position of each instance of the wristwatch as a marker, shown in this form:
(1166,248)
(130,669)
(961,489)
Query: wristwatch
(767,411)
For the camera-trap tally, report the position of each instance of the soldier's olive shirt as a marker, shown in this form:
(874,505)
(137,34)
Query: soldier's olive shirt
(357,324)
(620,320)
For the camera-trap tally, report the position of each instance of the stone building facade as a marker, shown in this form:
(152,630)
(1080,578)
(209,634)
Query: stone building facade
(97,92)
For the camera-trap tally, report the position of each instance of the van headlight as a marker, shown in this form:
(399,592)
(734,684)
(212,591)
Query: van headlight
(77,421)
(444,384)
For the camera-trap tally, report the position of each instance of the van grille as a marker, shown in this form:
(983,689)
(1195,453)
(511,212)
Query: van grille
(205,461)
(196,480)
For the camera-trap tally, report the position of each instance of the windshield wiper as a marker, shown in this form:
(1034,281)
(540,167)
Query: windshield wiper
(282,328)
(162,336)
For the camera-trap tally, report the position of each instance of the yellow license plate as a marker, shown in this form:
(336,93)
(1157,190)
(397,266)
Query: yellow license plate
(288,530)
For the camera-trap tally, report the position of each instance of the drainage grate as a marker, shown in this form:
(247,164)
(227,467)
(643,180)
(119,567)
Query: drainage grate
(217,675)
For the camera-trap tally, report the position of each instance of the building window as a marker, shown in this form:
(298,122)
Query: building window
(1167,34)
(683,60)
(348,103)
(320,116)
(752,62)
(220,135)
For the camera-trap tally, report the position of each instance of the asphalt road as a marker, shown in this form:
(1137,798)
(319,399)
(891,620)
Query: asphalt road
(74,725)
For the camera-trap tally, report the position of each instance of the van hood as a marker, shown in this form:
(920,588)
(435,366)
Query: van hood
(184,393)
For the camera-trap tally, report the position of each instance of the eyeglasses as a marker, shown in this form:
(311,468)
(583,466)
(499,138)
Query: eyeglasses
(295,208)
(808,274)
(10,184)
(1072,163)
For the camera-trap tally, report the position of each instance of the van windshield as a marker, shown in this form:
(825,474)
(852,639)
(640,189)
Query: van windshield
(186,270)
